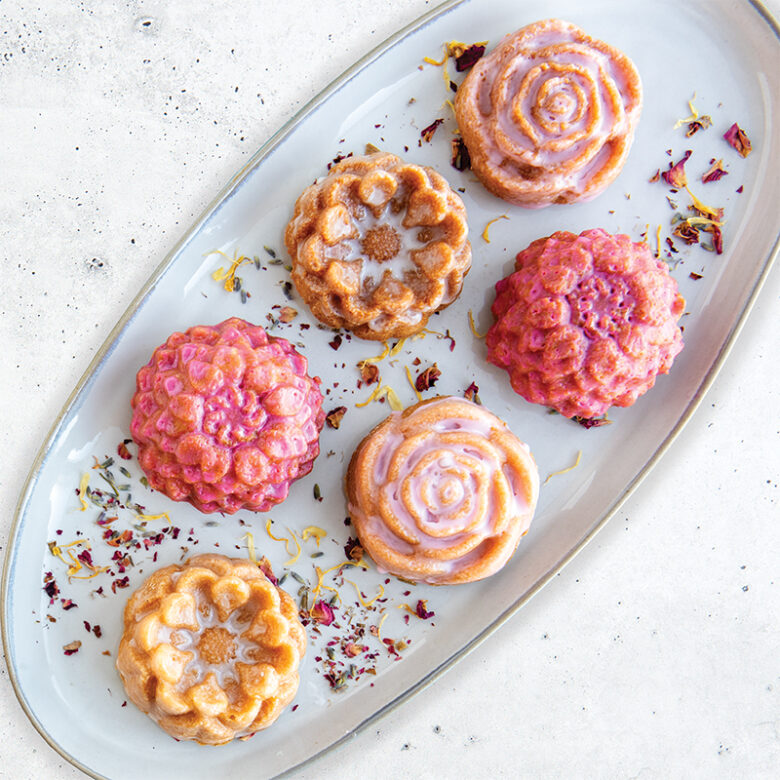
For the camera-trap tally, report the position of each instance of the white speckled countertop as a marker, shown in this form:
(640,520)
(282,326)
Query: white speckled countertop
(653,654)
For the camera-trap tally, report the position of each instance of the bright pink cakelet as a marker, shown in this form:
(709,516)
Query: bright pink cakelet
(585,322)
(226,417)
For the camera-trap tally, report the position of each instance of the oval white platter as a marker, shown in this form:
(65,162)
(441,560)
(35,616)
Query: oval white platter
(724,51)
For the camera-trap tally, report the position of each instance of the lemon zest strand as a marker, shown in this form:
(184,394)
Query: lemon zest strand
(658,242)
(82,490)
(397,348)
(692,118)
(145,518)
(408,609)
(411,382)
(360,597)
(377,358)
(275,538)
(566,470)
(393,400)
(89,576)
(314,530)
(431,61)
(371,397)
(485,236)
(701,207)
(473,327)
(228,277)
(297,555)
(379,626)
(250,544)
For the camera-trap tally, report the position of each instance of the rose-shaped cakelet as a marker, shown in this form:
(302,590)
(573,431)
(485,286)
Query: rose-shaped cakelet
(441,492)
(378,245)
(226,417)
(549,115)
(211,649)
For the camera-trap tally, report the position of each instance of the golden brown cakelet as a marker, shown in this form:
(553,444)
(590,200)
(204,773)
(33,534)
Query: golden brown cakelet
(549,115)
(211,649)
(441,492)
(378,245)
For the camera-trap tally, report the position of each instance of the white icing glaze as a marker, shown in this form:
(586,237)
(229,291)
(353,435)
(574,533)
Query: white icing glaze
(453,495)
(569,103)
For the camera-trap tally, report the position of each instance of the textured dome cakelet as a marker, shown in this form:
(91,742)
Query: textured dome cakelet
(226,417)
(210,649)
(549,115)
(441,492)
(585,322)
(378,245)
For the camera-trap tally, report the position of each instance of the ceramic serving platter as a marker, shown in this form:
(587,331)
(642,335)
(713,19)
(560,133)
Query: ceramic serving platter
(725,52)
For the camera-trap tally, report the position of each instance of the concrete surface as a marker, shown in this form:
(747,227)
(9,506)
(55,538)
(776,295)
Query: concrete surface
(653,655)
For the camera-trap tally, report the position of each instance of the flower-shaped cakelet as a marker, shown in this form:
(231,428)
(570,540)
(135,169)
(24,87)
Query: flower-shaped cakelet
(441,492)
(549,115)
(378,245)
(585,322)
(211,649)
(226,417)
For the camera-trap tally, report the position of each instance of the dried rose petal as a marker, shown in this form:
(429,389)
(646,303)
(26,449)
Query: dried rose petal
(715,172)
(717,238)
(427,378)
(591,422)
(737,138)
(422,611)
(338,158)
(336,343)
(693,275)
(353,550)
(687,232)
(265,566)
(351,649)
(655,177)
(471,393)
(427,133)
(287,314)
(122,450)
(333,418)
(468,57)
(72,647)
(322,613)
(369,373)
(702,123)
(675,176)
(460,159)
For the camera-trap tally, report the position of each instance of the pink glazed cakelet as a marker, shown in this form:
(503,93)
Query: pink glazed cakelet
(226,417)
(585,322)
